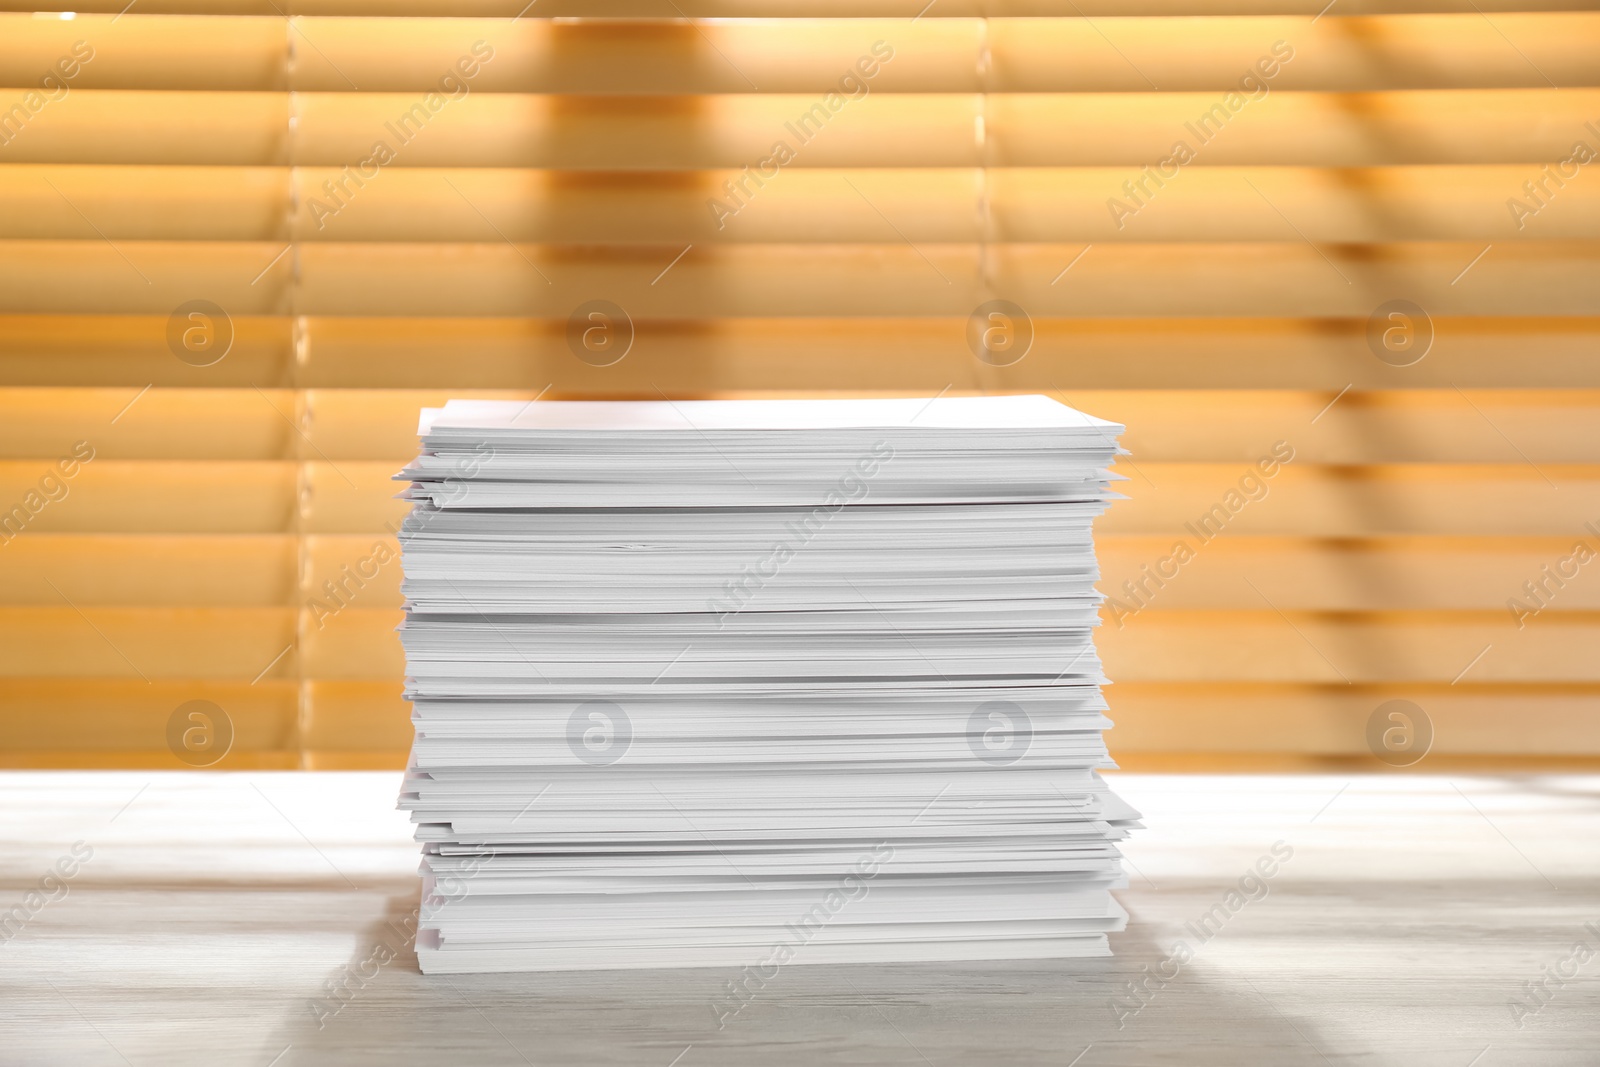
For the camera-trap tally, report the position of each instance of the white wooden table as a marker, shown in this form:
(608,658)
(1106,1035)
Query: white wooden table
(216,910)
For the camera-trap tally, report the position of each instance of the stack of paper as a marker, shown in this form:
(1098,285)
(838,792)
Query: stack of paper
(745,682)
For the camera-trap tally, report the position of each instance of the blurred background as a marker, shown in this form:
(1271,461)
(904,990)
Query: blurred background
(1336,270)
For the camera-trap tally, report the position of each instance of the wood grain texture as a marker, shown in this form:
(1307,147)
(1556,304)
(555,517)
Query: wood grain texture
(215,911)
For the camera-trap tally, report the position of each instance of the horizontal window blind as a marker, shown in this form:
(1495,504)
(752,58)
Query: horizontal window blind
(243,243)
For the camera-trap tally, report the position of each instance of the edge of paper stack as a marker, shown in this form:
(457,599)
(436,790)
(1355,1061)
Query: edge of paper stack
(742,683)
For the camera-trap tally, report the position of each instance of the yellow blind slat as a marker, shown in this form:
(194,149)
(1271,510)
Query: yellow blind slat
(898,279)
(631,133)
(765,355)
(818,206)
(809,55)
(792,9)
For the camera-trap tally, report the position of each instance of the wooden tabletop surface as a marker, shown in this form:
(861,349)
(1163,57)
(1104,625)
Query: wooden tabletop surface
(172,918)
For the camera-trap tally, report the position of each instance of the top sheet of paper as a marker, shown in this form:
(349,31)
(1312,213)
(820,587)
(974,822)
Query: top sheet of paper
(951,413)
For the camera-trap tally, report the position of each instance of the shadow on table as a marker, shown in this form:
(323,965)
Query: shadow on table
(1012,1012)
